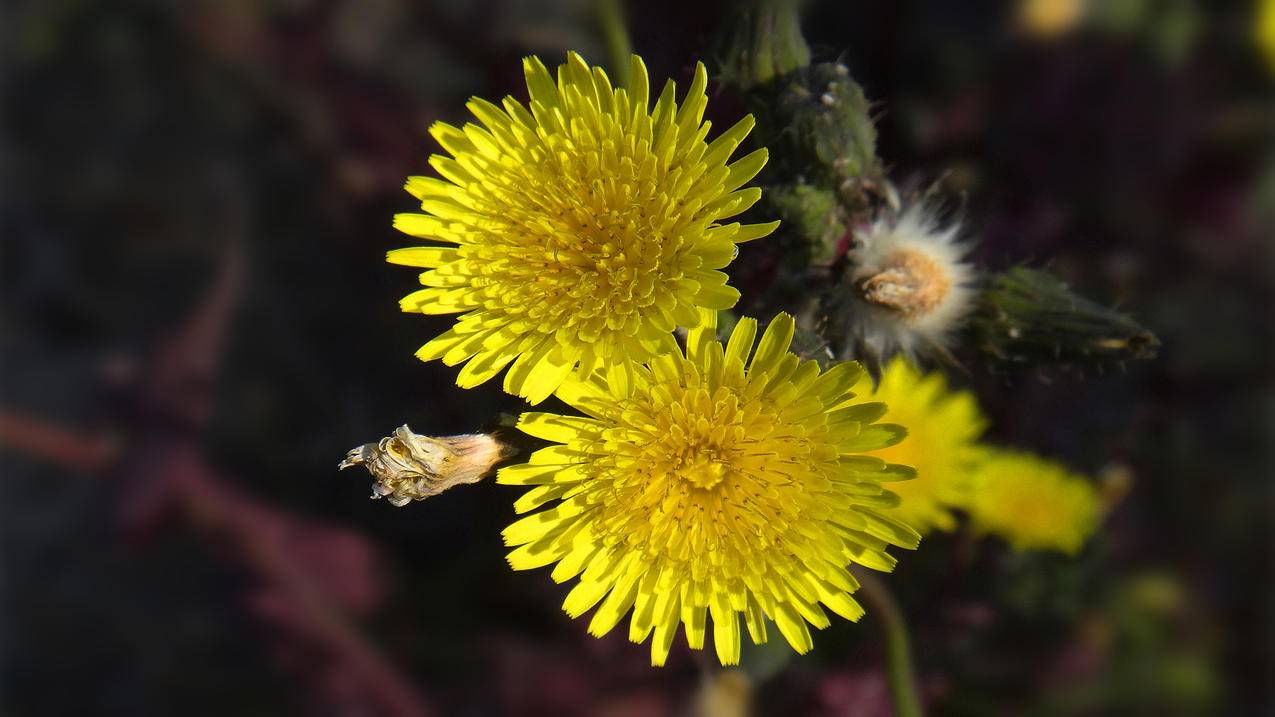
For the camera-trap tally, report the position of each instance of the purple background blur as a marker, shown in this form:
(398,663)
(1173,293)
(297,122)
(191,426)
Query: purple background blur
(197,323)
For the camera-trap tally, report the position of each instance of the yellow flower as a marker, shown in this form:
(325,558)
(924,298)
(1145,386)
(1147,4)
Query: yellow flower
(1049,19)
(1034,503)
(943,430)
(697,487)
(582,228)
(1264,31)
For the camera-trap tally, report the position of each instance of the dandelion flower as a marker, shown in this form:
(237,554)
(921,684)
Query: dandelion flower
(1033,503)
(709,484)
(910,288)
(579,229)
(943,429)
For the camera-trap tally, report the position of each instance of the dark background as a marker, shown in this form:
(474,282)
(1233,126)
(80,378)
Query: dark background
(197,323)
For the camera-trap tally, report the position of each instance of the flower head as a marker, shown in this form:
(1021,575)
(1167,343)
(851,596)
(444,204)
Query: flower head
(711,484)
(1033,503)
(909,286)
(943,429)
(581,228)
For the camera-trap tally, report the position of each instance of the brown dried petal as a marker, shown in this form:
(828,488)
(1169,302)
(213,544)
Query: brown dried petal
(407,466)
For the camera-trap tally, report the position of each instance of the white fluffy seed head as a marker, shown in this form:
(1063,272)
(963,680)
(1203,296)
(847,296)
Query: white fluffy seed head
(911,288)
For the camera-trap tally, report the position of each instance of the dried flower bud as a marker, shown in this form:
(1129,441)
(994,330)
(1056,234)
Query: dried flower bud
(907,288)
(408,467)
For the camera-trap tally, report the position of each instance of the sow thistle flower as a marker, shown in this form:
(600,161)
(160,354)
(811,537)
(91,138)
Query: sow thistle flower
(580,229)
(709,483)
(1033,503)
(942,444)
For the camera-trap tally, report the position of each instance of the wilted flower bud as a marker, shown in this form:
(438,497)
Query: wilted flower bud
(408,467)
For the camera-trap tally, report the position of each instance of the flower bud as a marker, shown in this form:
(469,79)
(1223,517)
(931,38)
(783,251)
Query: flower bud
(1027,317)
(818,125)
(812,216)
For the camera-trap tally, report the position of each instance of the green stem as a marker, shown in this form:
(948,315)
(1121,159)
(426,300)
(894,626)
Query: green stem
(616,36)
(902,676)
(762,41)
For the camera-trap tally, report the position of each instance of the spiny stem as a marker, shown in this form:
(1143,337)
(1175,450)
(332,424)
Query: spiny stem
(902,676)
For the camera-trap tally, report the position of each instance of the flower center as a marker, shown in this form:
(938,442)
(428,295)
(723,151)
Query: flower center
(704,472)
(586,248)
(702,476)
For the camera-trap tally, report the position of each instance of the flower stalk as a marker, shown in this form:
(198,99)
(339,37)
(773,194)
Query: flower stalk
(615,35)
(900,672)
(764,42)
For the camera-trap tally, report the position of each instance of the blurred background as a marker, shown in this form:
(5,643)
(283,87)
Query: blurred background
(197,323)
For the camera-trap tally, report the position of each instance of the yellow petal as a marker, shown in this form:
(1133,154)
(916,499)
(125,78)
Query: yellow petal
(619,601)
(539,474)
(584,596)
(774,343)
(665,630)
(533,526)
(695,618)
(793,628)
(422,256)
(749,232)
(745,169)
(717,297)
(540,84)
(756,621)
(725,633)
(553,427)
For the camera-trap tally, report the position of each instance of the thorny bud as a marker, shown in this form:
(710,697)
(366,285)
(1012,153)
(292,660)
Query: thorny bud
(815,119)
(818,125)
(408,467)
(1027,317)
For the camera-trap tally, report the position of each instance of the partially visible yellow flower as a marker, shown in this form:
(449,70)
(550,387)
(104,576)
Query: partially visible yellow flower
(582,228)
(1033,503)
(943,429)
(710,484)
(1265,31)
(1048,19)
